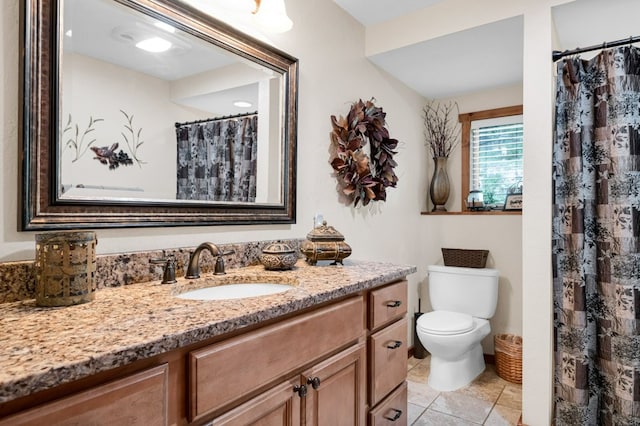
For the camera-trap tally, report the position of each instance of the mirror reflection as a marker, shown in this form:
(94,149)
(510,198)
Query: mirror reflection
(151,112)
(145,113)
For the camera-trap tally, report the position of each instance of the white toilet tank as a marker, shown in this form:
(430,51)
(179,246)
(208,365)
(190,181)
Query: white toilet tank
(472,291)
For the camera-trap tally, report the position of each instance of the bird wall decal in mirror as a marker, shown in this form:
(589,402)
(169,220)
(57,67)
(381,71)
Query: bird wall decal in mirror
(108,155)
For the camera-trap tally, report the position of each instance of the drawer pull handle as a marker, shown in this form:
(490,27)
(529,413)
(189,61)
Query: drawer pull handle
(314,382)
(396,344)
(396,415)
(301,390)
(394,303)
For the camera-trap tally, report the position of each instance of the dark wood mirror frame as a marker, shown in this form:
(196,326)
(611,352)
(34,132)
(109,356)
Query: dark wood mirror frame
(40,207)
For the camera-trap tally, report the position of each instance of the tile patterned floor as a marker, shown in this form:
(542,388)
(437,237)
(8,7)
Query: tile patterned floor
(488,400)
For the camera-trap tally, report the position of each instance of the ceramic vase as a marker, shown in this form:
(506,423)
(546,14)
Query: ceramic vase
(440,187)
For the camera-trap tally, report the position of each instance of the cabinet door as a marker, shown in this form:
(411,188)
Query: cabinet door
(336,389)
(279,406)
(139,399)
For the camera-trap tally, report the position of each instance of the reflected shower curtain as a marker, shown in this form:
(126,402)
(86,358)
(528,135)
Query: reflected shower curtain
(217,160)
(596,243)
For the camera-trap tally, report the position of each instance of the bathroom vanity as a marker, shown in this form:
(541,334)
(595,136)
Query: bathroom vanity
(332,350)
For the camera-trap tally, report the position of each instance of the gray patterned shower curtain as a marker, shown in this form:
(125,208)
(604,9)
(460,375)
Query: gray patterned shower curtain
(217,160)
(596,241)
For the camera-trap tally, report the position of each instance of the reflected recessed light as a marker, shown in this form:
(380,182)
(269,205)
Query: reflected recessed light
(165,27)
(154,44)
(242,104)
(69,33)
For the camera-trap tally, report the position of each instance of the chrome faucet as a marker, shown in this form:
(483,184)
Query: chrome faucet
(193,269)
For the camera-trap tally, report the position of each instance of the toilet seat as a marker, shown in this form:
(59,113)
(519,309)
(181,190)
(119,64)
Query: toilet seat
(445,323)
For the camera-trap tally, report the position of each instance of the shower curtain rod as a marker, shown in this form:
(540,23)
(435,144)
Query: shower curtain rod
(556,54)
(224,117)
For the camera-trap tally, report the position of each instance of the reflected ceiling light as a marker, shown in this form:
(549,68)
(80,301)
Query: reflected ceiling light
(242,104)
(165,27)
(272,16)
(69,33)
(154,44)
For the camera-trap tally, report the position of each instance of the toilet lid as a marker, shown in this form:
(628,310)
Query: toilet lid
(445,322)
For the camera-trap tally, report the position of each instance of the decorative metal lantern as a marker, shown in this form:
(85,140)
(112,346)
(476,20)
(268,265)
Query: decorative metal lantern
(325,243)
(65,268)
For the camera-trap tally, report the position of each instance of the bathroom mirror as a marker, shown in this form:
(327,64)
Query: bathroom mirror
(120,132)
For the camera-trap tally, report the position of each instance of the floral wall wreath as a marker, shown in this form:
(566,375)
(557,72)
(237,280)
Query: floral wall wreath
(363,178)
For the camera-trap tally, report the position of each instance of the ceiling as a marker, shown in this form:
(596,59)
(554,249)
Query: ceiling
(369,12)
(108,31)
(481,58)
(488,56)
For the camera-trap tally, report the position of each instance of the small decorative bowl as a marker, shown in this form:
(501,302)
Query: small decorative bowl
(278,257)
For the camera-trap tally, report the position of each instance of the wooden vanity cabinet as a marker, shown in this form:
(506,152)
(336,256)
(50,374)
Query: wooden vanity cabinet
(343,363)
(387,350)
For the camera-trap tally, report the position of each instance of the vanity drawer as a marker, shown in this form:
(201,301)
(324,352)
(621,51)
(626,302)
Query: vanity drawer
(228,370)
(138,399)
(388,360)
(387,304)
(391,411)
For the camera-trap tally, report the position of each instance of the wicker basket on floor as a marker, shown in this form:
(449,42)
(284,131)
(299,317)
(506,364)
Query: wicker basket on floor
(465,258)
(508,350)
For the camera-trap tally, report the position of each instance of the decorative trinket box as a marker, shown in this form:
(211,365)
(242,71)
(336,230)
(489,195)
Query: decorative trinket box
(278,256)
(325,243)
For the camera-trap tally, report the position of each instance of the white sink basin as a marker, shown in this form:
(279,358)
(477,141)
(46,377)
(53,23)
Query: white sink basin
(234,291)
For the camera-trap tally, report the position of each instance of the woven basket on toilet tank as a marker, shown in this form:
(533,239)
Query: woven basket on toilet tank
(465,258)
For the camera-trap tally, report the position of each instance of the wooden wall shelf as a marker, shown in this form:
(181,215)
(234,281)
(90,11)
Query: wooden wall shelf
(487,213)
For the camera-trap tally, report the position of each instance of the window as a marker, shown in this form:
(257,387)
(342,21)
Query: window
(492,144)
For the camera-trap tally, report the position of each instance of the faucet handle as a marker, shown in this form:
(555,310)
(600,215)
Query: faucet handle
(169,269)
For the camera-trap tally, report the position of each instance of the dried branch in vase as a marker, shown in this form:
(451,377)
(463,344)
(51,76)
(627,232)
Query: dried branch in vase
(441,127)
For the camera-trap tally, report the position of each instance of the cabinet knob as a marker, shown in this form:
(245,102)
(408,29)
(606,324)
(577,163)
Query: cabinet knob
(396,415)
(395,344)
(394,303)
(301,390)
(314,382)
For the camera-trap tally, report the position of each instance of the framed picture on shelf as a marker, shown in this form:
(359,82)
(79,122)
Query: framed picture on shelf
(513,202)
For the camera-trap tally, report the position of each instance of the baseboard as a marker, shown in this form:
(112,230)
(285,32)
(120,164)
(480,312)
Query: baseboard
(410,352)
(488,358)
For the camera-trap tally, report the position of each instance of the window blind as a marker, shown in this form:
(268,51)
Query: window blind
(496,159)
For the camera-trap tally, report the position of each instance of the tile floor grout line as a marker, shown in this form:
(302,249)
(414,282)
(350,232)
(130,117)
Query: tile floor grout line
(494,405)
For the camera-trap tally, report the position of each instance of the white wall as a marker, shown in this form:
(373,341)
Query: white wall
(500,234)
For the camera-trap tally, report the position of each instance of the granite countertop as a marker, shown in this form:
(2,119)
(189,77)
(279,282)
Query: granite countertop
(45,347)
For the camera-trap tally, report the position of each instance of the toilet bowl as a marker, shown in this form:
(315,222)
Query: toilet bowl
(463,300)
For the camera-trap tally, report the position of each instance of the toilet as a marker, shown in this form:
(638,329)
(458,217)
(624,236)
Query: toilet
(463,300)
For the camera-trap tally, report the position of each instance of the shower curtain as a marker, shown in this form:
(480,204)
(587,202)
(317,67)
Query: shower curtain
(217,160)
(596,242)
